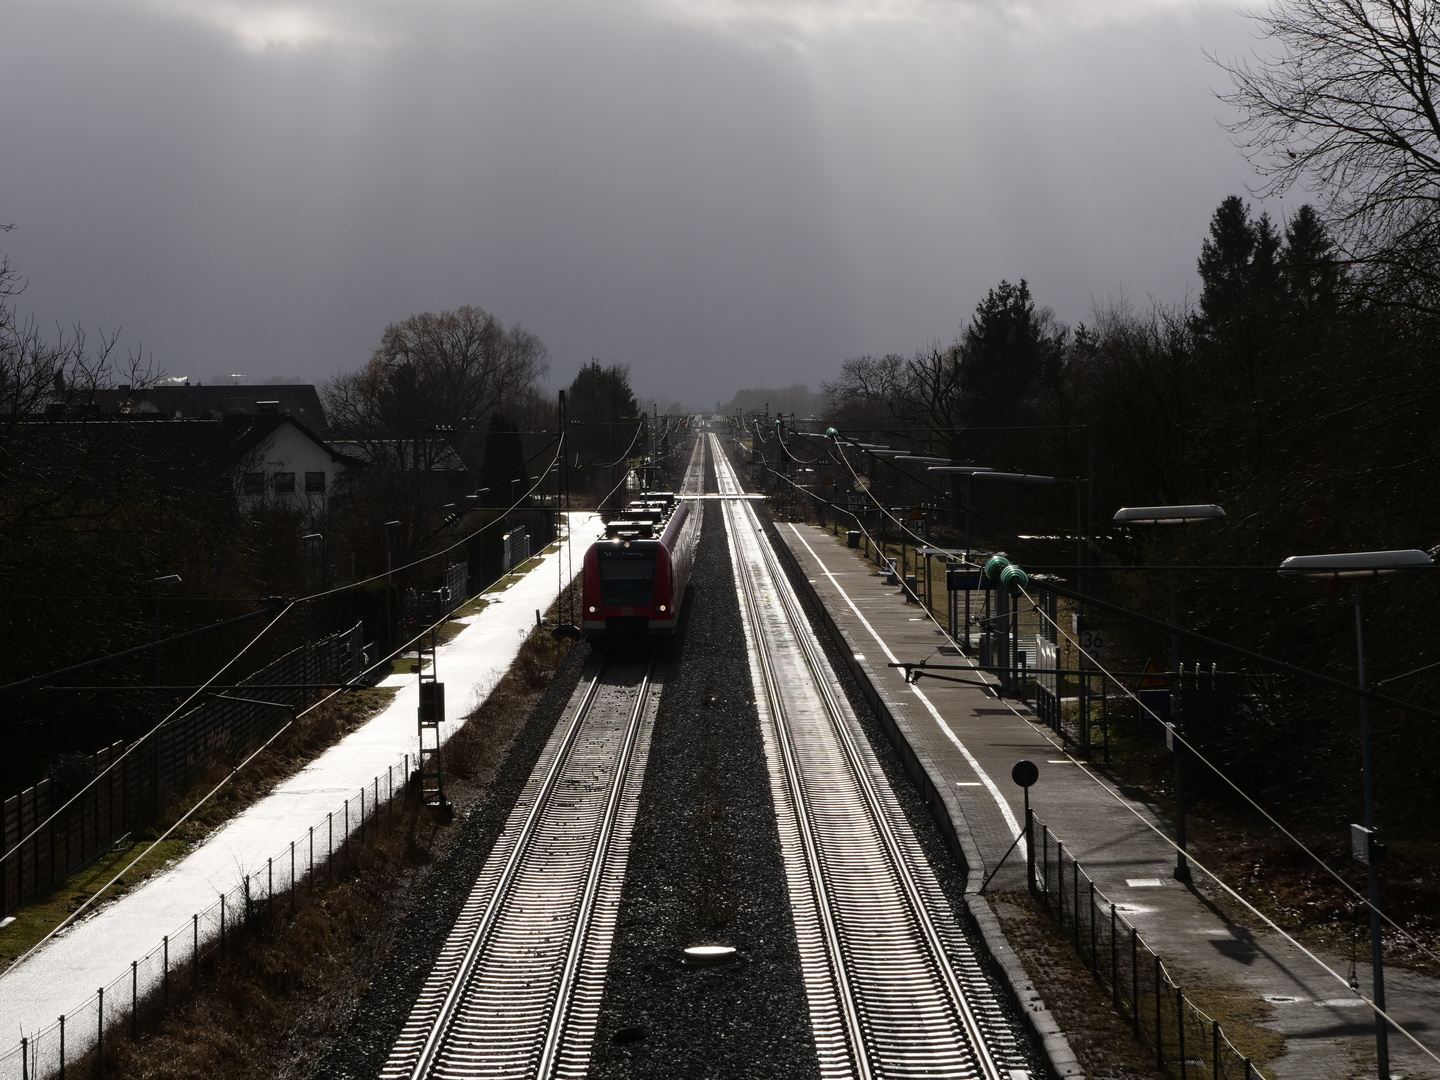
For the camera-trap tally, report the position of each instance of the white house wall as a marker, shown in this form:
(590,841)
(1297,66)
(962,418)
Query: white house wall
(288,450)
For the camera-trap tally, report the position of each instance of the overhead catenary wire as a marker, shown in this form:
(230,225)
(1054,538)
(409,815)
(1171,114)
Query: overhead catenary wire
(185,816)
(1299,671)
(1190,747)
(133,746)
(227,665)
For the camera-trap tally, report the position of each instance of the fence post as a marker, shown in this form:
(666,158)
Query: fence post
(362,813)
(269,881)
(312,860)
(1075,897)
(1248,1068)
(1045,863)
(1180,1027)
(247,897)
(24,1058)
(222,924)
(330,846)
(134,1001)
(1060,882)
(195,952)
(62,1046)
(345,843)
(1094,951)
(100,1031)
(1030,848)
(165,969)
(1215,1049)
(1114,962)
(1135,980)
(1159,1029)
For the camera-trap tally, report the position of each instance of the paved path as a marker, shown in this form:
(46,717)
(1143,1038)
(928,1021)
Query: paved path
(62,977)
(972,738)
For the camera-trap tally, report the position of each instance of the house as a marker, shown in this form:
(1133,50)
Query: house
(281,462)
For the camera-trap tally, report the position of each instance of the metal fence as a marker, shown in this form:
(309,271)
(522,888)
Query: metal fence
(517,548)
(227,726)
(138,998)
(1186,1041)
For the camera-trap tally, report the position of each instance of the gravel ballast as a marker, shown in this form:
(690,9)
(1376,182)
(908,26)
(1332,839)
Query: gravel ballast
(360,1052)
(705,869)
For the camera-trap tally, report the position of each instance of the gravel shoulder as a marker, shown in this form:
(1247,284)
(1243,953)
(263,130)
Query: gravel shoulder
(705,869)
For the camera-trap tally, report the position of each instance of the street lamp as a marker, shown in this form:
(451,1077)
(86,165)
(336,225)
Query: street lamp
(1173,515)
(391,528)
(1358,565)
(318,540)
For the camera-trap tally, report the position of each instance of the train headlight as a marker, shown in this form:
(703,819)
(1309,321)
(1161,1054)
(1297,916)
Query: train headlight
(593,609)
(659,607)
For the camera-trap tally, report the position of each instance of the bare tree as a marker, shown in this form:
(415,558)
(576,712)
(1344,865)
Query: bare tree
(1346,106)
(452,369)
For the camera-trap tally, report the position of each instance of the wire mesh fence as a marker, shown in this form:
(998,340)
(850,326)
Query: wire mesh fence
(224,726)
(138,998)
(1187,1042)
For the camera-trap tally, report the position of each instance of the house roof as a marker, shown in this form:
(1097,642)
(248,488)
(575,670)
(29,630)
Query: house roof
(298,400)
(251,431)
(442,455)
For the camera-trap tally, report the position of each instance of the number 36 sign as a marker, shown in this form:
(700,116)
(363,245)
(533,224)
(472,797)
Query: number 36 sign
(1092,647)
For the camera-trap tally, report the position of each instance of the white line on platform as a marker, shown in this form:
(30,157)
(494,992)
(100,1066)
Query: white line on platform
(1004,806)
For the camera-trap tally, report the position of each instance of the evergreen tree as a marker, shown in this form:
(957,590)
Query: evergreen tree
(1006,347)
(1307,265)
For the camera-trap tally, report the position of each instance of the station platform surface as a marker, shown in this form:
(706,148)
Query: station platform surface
(972,738)
(58,977)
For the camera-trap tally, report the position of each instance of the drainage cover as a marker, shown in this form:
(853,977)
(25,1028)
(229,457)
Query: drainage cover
(708,955)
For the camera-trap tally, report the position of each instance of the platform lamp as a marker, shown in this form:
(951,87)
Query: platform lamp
(1357,566)
(1173,515)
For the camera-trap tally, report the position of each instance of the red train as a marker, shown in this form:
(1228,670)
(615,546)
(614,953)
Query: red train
(635,575)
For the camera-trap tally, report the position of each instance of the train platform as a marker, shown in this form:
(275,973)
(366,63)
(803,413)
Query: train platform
(966,740)
(100,947)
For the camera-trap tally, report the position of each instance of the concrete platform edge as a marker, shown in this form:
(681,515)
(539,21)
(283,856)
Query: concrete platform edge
(945,809)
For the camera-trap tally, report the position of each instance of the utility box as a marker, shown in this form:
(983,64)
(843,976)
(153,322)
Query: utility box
(852,538)
(432,703)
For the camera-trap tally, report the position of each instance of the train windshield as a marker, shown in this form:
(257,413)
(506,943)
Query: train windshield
(627,577)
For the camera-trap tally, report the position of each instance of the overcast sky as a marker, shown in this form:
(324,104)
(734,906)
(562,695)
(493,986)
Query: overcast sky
(720,193)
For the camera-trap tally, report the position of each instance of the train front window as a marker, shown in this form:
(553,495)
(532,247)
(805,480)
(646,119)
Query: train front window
(627,577)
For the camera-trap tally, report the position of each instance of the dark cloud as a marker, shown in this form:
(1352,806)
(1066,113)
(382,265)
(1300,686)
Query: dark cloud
(721,194)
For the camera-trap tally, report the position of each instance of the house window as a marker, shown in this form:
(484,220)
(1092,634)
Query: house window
(253,483)
(315,483)
(284,483)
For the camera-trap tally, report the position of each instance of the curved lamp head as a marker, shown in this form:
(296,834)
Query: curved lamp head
(1353,564)
(1167,515)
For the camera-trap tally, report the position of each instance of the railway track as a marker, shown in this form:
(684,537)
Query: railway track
(515,992)
(894,987)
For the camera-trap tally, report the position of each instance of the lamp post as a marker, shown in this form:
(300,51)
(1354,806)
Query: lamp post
(314,544)
(1357,566)
(1173,515)
(391,528)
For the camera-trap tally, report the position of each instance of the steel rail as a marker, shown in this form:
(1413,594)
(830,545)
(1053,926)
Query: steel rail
(804,820)
(912,901)
(565,990)
(559,990)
